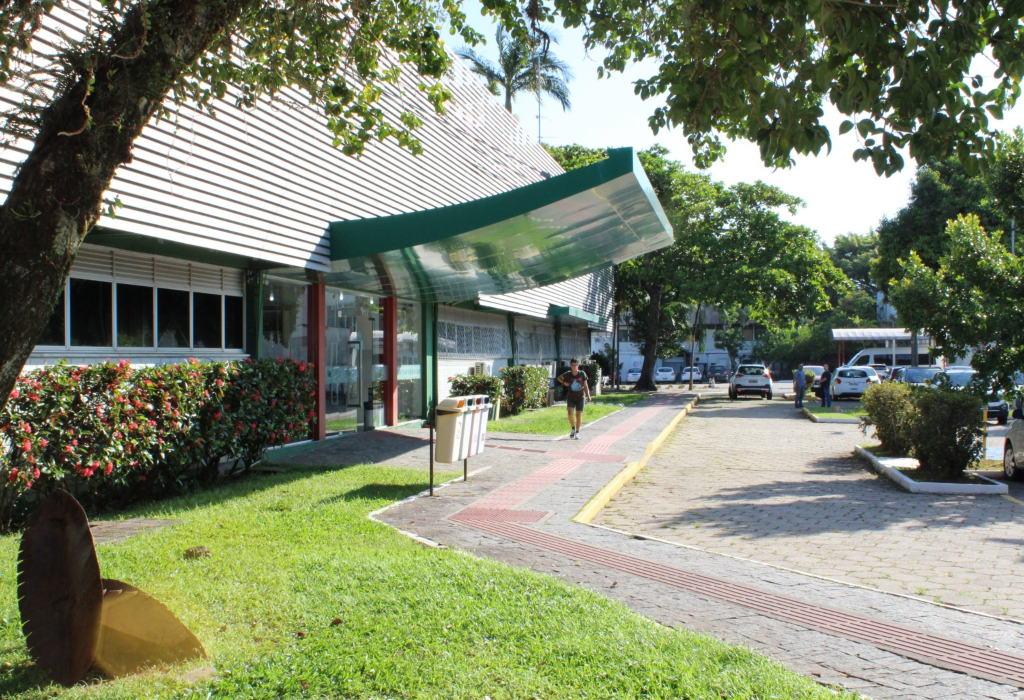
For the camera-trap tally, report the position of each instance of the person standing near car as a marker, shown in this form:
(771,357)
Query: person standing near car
(576,397)
(826,387)
(799,385)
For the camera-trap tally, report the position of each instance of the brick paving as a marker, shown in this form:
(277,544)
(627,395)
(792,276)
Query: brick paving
(753,480)
(830,658)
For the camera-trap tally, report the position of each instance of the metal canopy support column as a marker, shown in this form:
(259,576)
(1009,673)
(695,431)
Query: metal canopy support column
(558,343)
(316,327)
(429,335)
(514,360)
(254,281)
(390,323)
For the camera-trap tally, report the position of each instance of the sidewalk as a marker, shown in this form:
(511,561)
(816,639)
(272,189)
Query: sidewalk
(518,510)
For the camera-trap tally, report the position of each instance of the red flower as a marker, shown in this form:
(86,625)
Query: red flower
(15,394)
(220,382)
(26,446)
(216,416)
(13,476)
(44,442)
(75,443)
(110,468)
(68,449)
(35,473)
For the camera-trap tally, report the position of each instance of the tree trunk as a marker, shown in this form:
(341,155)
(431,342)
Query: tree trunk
(646,382)
(86,133)
(508,100)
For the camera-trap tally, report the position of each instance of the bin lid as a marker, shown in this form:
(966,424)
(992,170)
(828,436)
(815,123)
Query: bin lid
(454,404)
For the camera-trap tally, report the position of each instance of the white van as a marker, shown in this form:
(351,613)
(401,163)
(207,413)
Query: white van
(884,356)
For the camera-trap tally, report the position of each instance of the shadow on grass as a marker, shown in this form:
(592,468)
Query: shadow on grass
(376,492)
(23,678)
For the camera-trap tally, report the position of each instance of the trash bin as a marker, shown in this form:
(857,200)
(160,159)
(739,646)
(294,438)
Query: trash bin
(480,426)
(471,422)
(451,429)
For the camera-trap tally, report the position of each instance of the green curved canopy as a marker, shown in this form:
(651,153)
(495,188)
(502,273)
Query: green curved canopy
(546,232)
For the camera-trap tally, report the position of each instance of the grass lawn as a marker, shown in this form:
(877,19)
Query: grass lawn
(554,420)
(342,424)
(293,552)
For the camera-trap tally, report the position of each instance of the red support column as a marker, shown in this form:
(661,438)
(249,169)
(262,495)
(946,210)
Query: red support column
(389,321)
(316,328)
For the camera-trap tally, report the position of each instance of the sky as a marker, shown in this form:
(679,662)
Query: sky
(841,196)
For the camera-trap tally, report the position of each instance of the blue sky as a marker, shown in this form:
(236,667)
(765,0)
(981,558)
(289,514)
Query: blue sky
(841,196)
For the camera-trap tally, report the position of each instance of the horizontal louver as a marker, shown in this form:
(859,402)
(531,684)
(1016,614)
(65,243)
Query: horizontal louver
(94,263)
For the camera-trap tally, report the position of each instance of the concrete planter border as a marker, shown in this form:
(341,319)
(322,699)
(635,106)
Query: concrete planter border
(889,468)
(838,418)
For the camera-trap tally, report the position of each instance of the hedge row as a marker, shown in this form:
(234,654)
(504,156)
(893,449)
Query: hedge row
(112,433)
(942,427)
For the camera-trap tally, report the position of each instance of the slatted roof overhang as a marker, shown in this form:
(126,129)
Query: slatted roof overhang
(876,334)
(546,232)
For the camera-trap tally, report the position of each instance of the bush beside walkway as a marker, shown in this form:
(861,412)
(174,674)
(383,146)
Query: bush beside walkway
(305,597)
(554,421)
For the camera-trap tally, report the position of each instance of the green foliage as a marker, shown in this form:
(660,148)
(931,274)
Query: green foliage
(854,254)
(575,156)
(525,387)
(732,249)
(811,341)
(114,433)
(971,302)
(941,192)
(465,385)
(891,408)
(948,431)
(730,339)
(1006,176)
(526,64)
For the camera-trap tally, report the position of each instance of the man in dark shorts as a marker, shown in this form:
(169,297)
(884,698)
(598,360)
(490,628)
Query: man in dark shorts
(577,395)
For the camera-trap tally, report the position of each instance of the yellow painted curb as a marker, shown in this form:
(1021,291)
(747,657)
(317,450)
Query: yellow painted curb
(1015,500)
(599,501)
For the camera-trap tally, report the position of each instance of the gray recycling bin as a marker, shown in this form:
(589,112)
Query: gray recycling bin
(453,424)
(480,424)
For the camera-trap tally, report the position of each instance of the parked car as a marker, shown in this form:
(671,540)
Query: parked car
(751,379)
(719,373)
(684,374)
(664,374)
(852,382)
(882,371)
(917,376)
(633,376)
(997,403)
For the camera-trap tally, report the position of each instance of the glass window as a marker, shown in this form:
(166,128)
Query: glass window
(284,320)
(173,318)
(410,383)
(206,316)
(92,313)
(134,316)
(234,323)
(53,333)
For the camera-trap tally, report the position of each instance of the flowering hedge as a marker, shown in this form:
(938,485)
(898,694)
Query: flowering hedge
(525,387)
(464,384)
(112,432)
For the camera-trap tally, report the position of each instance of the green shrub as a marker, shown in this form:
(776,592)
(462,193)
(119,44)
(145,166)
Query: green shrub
(525,387)
(947,432)
(112,433)
(464,385)
(590,368)
(891,409)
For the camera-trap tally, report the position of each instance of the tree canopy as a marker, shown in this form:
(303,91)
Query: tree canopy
(854,254)
(759,71)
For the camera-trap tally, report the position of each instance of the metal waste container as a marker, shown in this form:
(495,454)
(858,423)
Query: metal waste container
(452,429)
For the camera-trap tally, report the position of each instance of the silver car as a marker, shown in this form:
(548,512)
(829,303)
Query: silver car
(1013,447)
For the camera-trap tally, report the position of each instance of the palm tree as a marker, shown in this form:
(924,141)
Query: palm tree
(524,65)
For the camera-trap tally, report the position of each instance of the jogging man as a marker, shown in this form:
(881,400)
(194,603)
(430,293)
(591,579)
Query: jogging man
(577,395)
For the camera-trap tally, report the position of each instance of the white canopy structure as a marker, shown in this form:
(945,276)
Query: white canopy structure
(883,335)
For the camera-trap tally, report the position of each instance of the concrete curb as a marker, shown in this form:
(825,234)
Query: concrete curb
(887,467)
(601,499)
(815,418)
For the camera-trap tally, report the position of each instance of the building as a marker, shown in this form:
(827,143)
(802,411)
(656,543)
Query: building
(250,235)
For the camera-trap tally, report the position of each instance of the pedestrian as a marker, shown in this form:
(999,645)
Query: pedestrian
(826,386)
(576,397)
(799,385)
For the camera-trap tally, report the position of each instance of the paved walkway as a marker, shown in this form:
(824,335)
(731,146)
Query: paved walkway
(518,511)
(752,479)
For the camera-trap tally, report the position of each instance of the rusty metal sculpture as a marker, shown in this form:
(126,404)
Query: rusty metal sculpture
(75,621)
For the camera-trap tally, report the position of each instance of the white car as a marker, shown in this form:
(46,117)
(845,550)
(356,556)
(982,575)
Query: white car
(684,374)
(664,374)
(633,376)
(751,379)
(853,381)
